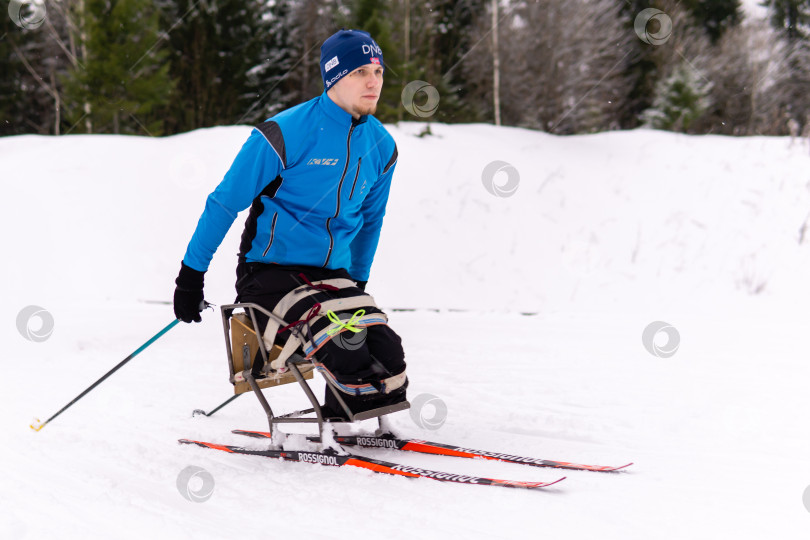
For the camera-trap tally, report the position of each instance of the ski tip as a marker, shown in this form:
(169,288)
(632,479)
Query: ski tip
(608,469)
(254,434)
(191,441)
(589,468)
(554,482)
(528,485)
(614,469)
(206,445)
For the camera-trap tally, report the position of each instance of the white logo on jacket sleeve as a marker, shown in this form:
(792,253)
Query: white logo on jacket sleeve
(331,63)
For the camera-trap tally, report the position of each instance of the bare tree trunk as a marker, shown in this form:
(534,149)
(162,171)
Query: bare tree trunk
(310,17)
(57,103)
(70,52)
(407,52)
(754,90)
(496,79)
(88,122)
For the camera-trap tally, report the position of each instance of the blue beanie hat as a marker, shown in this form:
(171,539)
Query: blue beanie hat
(345,51)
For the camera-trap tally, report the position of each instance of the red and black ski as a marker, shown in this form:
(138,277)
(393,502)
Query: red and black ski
(426,447)
(371,464)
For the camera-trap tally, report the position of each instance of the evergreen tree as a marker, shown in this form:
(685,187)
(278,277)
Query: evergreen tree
(715,16)
(31,60)
(456,34)
(121,81)
(682,98)
(219,58)
(642,68)
(693,20)
(376,19)
(432,51)
(15,81)
(272,77)
(790,16)
(419,61)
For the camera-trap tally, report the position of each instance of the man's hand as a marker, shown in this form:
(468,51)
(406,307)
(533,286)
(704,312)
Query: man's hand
(188,296)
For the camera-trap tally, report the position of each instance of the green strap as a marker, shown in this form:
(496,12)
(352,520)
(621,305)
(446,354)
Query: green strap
(341,325)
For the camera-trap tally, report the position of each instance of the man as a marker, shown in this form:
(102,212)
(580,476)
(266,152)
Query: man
(316,177)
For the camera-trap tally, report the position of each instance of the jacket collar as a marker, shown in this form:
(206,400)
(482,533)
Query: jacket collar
(334,111)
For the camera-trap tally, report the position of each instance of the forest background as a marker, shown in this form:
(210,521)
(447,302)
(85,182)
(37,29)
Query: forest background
(161,67)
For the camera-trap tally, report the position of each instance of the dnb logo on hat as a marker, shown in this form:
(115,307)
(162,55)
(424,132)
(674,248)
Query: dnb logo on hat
(332,63)
(371,48)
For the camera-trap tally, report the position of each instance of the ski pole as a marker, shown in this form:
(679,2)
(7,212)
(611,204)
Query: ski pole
(200,411)
(37,425)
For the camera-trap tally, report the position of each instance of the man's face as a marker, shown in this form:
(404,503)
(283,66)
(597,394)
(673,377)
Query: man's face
(358,92)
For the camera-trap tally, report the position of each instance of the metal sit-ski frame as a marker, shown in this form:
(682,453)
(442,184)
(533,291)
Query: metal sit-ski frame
(300,367)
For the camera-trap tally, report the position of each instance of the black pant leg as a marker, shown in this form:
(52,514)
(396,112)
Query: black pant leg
(385,348)
(382,356)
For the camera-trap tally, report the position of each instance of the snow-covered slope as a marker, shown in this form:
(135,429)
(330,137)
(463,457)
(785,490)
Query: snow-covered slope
(605,234)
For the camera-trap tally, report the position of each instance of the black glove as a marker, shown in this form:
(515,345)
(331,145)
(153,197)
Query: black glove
(361,285)
(188,296)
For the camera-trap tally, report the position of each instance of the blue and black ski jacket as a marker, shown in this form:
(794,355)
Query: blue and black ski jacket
(317,183)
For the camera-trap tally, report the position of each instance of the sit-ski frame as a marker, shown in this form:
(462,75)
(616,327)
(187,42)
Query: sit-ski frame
(296,417)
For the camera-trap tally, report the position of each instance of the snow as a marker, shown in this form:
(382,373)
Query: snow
(523,315)
(753,9)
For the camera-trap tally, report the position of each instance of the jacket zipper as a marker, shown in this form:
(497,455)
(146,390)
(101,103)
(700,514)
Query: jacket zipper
(340,185)
(272,234)
(359,161)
